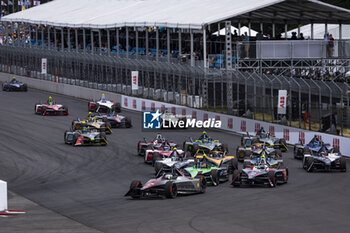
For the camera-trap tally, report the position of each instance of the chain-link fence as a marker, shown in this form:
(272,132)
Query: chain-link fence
(312,104)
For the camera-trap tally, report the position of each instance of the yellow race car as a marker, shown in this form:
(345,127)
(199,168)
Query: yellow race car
(220,159)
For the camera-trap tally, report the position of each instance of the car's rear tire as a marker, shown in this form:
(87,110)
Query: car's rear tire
(272,178)
(170,190)
(202,183)
(158,167)
(342,164)
(237,177)
(215,177)
(156,156)
(309,166)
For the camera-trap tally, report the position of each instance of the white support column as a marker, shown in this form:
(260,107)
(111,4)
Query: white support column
(137,41)
(250,29)
(48,37)
(180,47)
(76,40)
(228,45)
(273,30)
(262,28)
(62,39)
(92,41)
(117,39)
(100,41)
(298,30)
(147,46)
(84,40)
(340,31)
(286,30)
(239,28)
(312,31)
(192,48)
(109,42)
(68,39)
(204,47)
(127,41)
(168,43)
(157,44)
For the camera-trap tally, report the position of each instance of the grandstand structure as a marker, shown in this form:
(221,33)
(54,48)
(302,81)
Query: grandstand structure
(172,44)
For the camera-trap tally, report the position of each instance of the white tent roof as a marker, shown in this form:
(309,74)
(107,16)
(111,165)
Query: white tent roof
(319,31)
(174,13)
(243,30)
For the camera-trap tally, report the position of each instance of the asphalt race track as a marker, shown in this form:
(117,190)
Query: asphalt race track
(87,184)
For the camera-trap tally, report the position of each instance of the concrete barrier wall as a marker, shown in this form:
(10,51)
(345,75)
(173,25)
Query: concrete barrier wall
(229,123)
(3,195)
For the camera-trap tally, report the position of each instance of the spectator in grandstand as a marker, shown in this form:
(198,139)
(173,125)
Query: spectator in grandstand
(330,45)
(259,36)
(301,36)
(246,44)
(294,36)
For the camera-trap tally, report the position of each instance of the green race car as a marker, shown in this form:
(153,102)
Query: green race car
(204,144)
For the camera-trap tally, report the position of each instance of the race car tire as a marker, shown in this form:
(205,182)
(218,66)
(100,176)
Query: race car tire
(309,166)
(128,123)
(170,190)
(215,177)
(116,108)
(237,181)
(65,136)
(35,106)
(65,109)
(134,187)
(43,109)
(342,164)
(272,177)
(278,153)
(157,167)
(225,148)
(138,148)
(156,156)
(203,183)
(24,87)
(234,165)
(75,138)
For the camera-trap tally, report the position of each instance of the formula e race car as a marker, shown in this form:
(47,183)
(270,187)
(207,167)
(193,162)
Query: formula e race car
(273,157)
(248,144)
(260,174)
(104,106)
(168,185)
(205,144)
(220,159)
(157,142)
(14,85)
(116,120)
(166,162)
(203,167)
(100,124)
(315,145)
(85,137)
(51,110)
(324,160)
(268,139)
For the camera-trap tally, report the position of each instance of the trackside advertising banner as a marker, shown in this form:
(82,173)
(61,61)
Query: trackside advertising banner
(237,124)
(3,195)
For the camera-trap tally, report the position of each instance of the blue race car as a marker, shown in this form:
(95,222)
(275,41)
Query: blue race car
(204,144)
(314,145)
(14,85)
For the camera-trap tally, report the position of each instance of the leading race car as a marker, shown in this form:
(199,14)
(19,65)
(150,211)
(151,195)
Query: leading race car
(104,106)
(205,144)
(315,145)
(85,137)
(268,139)
(260,174)
(168,185)
(14,85)
(324,160)
(50,109)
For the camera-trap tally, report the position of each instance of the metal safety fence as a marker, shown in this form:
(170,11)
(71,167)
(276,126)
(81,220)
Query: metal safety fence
(311,104)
